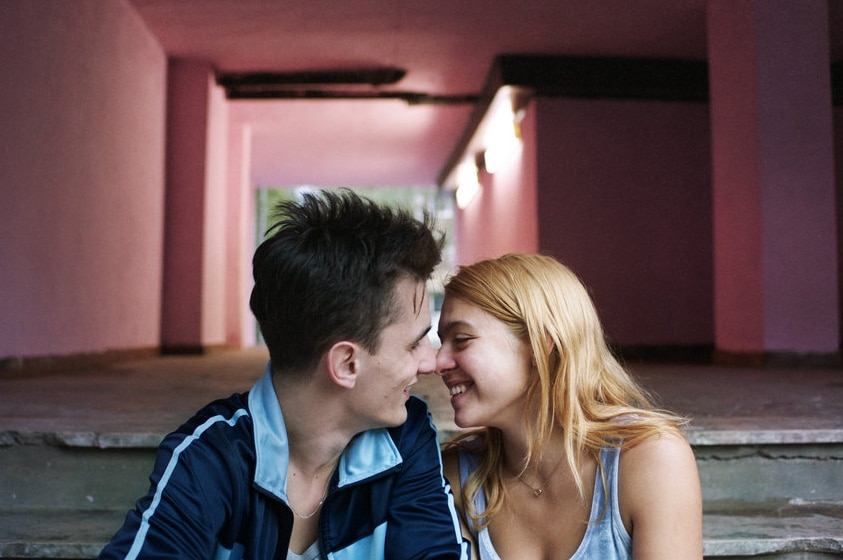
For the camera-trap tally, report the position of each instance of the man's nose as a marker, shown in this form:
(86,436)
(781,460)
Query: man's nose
(428,361)
(444,361)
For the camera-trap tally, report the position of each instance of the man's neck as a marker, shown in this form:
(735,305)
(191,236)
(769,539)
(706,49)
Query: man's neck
(317,431)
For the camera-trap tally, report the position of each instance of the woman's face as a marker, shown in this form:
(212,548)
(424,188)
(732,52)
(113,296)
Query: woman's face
(484,365)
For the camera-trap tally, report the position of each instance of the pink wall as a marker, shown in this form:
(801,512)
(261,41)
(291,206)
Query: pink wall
(774,195)
(82,178)
(217,225)
(240,243)
(624,198)
(739,279)
(187,127)
(502,218)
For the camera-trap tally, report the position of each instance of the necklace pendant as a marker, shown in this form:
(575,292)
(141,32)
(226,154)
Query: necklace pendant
(537,492)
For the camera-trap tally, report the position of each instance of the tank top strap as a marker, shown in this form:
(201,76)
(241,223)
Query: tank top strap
(606,537)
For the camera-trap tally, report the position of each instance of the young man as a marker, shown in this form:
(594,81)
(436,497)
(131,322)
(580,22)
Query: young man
(328,456)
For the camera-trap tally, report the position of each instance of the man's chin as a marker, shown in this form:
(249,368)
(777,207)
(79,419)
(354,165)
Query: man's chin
(399,420)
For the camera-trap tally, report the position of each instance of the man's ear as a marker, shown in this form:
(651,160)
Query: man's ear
(343,363)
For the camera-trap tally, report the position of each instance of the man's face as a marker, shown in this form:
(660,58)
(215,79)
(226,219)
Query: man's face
(385,378)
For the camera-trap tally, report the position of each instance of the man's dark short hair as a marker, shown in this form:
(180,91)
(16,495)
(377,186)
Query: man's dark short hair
(328,271)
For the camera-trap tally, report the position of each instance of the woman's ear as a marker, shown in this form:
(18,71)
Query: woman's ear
(343,363)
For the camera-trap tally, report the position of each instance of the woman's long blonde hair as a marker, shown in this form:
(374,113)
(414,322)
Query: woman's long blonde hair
(580,388)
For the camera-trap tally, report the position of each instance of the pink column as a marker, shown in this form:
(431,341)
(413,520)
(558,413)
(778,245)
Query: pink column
(240,239)
(775,257)
(187,125)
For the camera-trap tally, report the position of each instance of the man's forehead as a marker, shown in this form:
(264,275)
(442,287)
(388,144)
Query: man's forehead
(411,294)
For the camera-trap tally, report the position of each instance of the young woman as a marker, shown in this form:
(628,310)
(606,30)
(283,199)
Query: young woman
(570,458)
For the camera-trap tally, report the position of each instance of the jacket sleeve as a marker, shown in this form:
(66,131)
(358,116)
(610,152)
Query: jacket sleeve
(423,521)
(190,497)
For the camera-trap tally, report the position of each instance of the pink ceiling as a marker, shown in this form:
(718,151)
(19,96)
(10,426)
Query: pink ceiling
(446,46)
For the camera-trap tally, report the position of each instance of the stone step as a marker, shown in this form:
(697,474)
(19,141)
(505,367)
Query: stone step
(110,470)
(773,493)
(786,533)
(60,477)
(41,533)
(76,450)
(793,532)
(769,466)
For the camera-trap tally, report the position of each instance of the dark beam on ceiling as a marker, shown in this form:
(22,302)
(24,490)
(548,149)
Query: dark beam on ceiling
(366,76)
(586,77)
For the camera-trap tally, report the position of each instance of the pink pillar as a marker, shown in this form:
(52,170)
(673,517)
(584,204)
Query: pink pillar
(240,238)
(187,125)
(775,256)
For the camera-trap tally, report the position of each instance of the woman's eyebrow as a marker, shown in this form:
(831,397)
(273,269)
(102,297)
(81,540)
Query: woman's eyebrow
(451,325)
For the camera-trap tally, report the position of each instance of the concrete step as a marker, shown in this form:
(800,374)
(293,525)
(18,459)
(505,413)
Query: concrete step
(771,493)
(805,532)
(766,493)
(110,471)
(61,477)
(76,449)
(42,533)
(769,466)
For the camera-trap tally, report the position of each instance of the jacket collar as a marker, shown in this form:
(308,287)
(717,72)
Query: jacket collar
(370,453)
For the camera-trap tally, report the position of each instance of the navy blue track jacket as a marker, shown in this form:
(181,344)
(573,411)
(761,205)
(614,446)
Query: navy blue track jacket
(218,491)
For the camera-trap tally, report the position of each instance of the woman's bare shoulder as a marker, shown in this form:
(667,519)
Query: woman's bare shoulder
(666,445)
(657,460)
(660,497)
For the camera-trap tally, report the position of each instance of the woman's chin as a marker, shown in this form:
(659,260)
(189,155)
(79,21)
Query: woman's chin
(464,422)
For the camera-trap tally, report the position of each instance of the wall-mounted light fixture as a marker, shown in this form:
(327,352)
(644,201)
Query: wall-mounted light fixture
(494,140)
(467,184)
(502,130)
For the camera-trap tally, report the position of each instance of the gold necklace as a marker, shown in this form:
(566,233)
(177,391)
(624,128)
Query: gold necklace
(540,490)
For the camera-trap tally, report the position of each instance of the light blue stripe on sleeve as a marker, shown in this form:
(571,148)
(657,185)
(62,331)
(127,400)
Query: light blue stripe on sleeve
(140,537)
